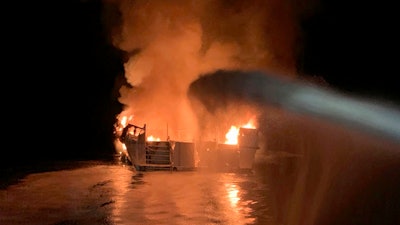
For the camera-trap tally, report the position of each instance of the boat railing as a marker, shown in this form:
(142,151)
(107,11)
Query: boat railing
(158,154)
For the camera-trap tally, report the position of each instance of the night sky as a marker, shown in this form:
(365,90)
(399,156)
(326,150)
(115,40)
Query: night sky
(60,97)
(60,90)
(353,45)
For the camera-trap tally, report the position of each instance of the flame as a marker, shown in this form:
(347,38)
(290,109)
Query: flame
(250,124)
(233,133)
(232,136)
(152,138)
(122,122)
(125,120)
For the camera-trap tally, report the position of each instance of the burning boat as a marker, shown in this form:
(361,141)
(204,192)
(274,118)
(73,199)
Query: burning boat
(147,155)
(230,157)
(150,155)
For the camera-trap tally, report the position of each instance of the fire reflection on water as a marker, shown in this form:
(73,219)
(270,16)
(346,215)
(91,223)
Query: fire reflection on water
(117,194)
(188,198)
(241,210)
(232,194)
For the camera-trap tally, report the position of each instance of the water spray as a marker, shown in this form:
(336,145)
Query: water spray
(303,98)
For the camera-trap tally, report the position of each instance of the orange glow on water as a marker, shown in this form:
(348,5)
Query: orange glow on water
(232,194)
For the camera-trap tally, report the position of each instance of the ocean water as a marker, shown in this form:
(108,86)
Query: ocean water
(282,189)
(117,194)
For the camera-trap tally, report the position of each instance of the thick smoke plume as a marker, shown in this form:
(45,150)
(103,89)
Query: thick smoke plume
(170,43)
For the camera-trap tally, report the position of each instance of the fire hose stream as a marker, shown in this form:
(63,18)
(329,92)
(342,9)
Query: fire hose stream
(376,118)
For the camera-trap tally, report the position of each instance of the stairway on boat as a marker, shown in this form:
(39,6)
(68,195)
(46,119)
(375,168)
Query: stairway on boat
(158,155)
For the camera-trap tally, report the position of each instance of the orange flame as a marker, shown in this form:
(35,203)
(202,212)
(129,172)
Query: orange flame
(118,127)
(233,133)
(232,136)
(151,138)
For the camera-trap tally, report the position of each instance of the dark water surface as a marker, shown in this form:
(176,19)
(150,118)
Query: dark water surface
(323,188)
(103,193)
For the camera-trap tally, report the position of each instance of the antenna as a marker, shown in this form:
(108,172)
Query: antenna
(167,133)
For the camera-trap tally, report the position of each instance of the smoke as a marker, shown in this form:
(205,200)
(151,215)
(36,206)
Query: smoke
(170,43)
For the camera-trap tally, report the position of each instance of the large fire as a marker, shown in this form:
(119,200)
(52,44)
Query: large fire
(233,133)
